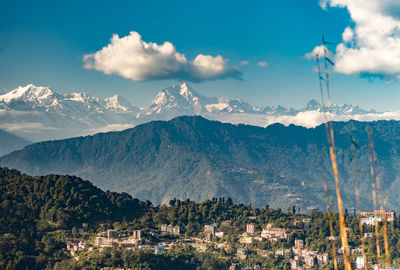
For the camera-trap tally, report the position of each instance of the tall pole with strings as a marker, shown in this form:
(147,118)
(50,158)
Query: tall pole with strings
(332,152)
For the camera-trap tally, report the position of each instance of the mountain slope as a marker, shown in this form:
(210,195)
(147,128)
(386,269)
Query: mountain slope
(10,142)
(191,157)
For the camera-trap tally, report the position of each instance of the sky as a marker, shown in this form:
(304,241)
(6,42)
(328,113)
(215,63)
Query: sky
(254,50)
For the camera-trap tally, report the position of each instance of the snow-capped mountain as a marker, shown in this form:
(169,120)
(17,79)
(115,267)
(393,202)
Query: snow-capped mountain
(181,99)
(39,113)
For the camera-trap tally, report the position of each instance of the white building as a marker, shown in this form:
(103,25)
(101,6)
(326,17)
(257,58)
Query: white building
(371,220)
(360,262)
(274,234)
(251,228)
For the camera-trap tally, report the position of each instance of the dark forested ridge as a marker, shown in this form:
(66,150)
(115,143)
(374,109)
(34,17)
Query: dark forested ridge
(192,157)
(30,207)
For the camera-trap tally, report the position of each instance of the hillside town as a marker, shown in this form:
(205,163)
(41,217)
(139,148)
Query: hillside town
(246,243)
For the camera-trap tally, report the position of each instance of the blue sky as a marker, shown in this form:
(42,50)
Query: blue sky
(44,42)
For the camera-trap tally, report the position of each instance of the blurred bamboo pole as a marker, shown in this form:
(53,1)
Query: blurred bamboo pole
(332,152)
(357,189)
(378,248)
(332,237)
(374,161)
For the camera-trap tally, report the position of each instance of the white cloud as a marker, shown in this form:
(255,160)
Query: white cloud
(135,59)
(323,3)
(308,119)
(348,34)
(372,46)
(262,64)
(206,66)
(26,127)
(108,128)
(318,50)
(244,63)
(311,119)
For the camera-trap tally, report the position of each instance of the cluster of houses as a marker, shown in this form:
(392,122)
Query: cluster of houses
(169,229)
(299,256)
(211,229)
(304,258)
(274,234)
(74,246)
(114,238)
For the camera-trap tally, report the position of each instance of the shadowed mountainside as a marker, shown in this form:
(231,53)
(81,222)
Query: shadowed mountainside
(10,142)
(192,157)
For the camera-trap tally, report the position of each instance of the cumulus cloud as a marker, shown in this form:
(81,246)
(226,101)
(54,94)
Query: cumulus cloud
(262,64)
(135,59)
(372,45)
(244,63)
(318,50)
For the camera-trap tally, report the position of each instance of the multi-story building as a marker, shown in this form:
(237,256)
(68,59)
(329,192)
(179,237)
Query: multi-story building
(209,229)
(371,220)
(169,229)
(176,230)
(112,234)
(298,244)
(274,234)
(360,262)
(137,234)
(104,242)
(251,228)
(390,215)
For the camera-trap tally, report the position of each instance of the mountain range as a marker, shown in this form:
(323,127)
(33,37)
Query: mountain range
(38,113)
(192,157)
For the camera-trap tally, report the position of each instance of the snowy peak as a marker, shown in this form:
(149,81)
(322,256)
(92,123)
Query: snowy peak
(313,105)
(178,99)
(29,93)
(182,99)
(186,92)
(30,97)
(79,97)
(118,104)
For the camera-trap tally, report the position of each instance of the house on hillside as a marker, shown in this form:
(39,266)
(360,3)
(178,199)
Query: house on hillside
(274,234)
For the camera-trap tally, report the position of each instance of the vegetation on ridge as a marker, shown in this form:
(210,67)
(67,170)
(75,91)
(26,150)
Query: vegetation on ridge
(192,157)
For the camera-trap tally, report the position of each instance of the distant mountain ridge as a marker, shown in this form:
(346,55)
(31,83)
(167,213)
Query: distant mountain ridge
(10,142)
(39,113)
(181,99)
(42,114)
(192,157)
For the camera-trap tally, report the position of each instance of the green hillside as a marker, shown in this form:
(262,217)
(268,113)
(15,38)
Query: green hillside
(192,157)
